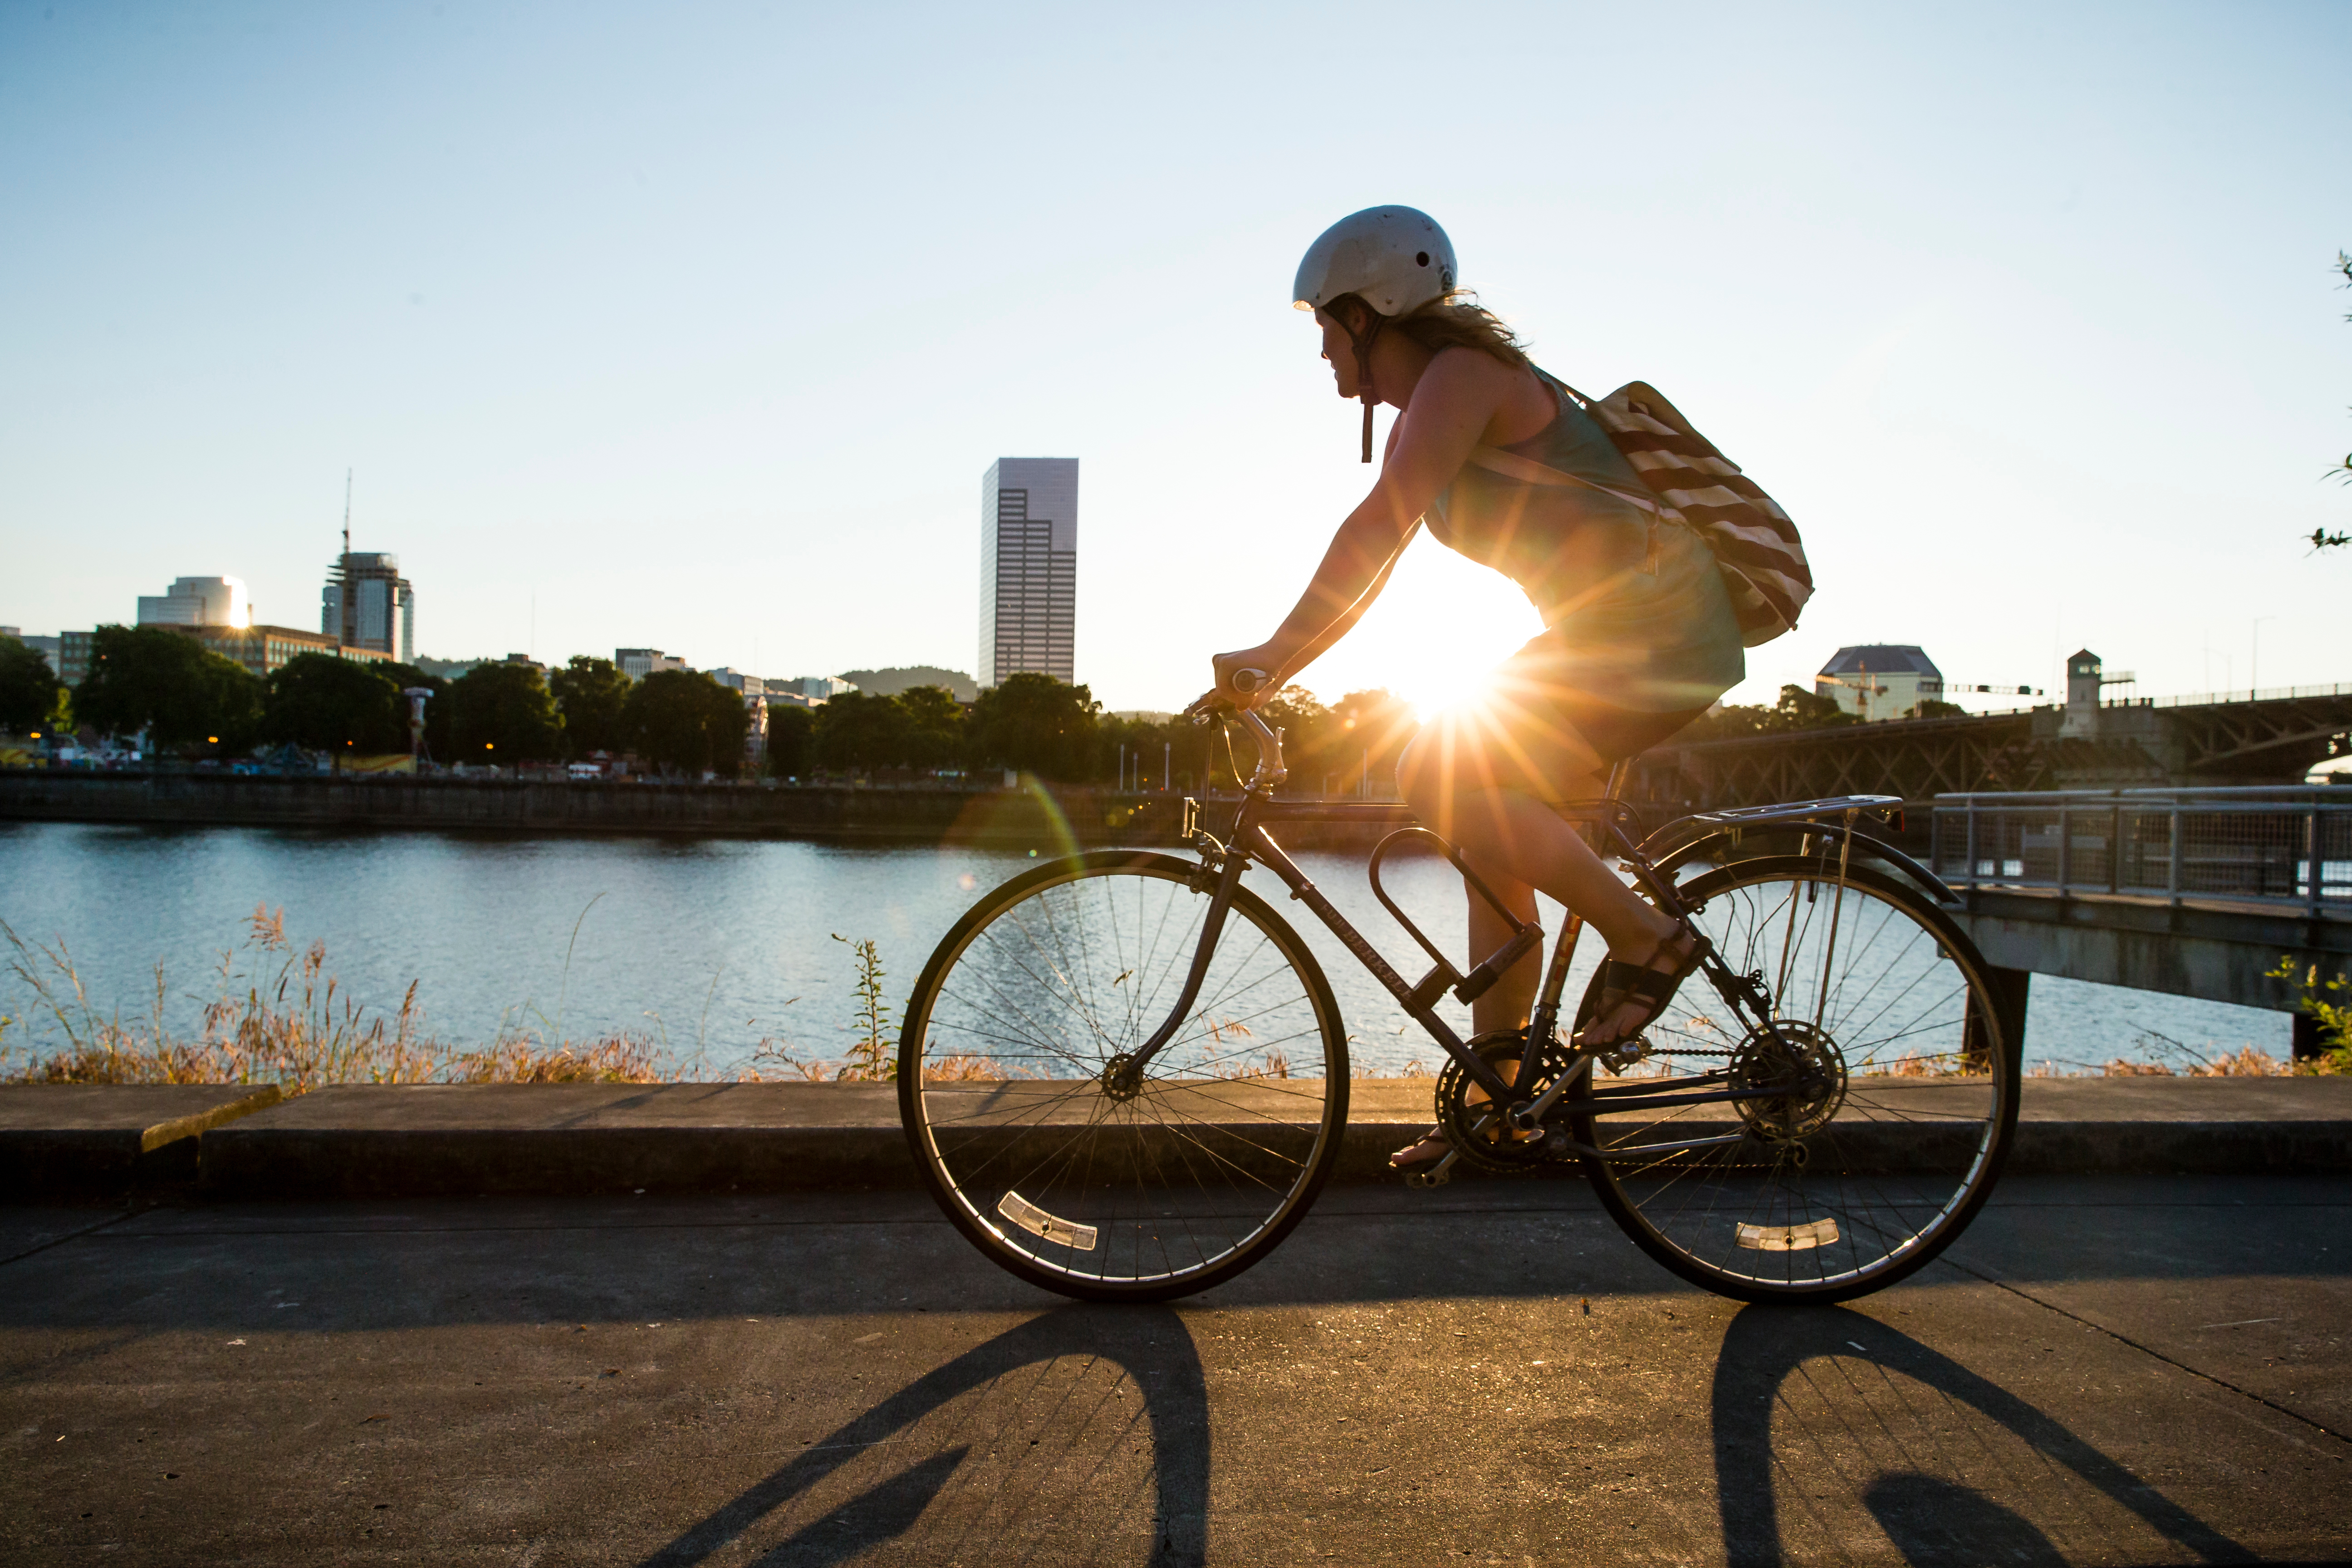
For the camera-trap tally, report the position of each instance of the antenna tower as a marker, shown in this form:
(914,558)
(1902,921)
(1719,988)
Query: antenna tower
(347,511)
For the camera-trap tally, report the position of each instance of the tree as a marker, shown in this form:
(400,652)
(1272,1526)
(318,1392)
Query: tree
(1798,709)
(502,713)
(1036,724)
(31,695)
(856,731)
(684,721)
(327,703)
(591,693)
(183,696)
(934,726)
(790,735)
(2321,539)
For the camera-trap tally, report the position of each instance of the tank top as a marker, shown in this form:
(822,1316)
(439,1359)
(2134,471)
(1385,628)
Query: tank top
(1521,530)
(1636,615)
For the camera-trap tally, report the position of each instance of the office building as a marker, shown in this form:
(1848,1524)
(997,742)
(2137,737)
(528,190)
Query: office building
(46,647)
(637,663)
(198,602)
(1880,681)
(734,679)
(264,649)
(1028,567)
(367,604)
(814,690)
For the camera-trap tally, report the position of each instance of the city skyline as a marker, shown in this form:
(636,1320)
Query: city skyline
(2040,345)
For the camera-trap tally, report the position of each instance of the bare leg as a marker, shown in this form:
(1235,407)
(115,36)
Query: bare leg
(1513,998)
(1506,1005)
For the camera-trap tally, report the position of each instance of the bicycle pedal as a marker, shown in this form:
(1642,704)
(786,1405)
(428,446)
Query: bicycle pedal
(1436,1176)
(1619,1056)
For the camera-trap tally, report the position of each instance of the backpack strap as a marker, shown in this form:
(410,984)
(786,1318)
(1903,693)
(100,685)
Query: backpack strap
(1528,471)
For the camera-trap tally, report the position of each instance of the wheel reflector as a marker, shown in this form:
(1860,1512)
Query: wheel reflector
(1037,1222)
(1782,1237)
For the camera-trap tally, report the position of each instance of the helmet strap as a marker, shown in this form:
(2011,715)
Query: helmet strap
(1363,343)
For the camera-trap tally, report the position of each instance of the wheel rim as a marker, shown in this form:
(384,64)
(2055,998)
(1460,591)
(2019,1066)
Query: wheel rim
(1057,1155)
(1898,1093)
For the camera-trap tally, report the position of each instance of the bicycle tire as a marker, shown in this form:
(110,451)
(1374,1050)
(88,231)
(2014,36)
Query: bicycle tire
(1182,1184)
(1828,1195)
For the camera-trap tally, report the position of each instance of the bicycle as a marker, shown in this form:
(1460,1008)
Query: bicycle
(1124,1075)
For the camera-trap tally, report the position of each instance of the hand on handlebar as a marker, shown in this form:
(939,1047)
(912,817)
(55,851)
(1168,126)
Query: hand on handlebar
(1243,683)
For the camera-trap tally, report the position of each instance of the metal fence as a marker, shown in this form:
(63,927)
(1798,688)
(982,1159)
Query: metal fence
(2258,846)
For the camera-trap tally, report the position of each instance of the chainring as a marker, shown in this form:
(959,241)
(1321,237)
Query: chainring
(1802,1050)
(1477,1131)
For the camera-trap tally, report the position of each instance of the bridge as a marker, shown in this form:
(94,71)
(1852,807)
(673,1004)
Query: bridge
(2270,737)
(2196,892)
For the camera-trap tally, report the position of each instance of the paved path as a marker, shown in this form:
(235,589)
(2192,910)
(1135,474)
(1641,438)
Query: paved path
(2129,1370)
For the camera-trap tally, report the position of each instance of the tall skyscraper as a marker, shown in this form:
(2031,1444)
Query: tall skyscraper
(368,603)
(1028,567)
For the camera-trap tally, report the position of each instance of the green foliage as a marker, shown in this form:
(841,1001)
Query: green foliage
(502,714)
(902,678)
(857,730)
(934,727)
(791,732)
(873,1057)
(591,693)
(183,696)
(31,696)
(921,726)
(1929,708)
(327,703)
(1036,723)
(685,722)
(2329,1004)
(1798,709)
(2321,539)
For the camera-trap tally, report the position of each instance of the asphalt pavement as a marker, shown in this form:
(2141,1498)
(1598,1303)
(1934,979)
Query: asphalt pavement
(2104,1369)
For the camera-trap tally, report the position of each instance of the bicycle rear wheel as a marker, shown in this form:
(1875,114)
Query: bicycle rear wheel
(1090,1189)
(1881,1002)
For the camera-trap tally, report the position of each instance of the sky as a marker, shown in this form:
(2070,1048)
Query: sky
(697,326)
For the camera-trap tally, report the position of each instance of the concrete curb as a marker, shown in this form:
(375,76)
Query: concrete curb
(105,1140)
(421,1141)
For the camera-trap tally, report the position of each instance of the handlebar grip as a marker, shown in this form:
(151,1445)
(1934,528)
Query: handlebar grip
(1247,682)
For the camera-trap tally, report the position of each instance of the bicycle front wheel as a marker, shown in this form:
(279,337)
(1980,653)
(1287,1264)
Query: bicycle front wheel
(1901,1091)
(1061,1169)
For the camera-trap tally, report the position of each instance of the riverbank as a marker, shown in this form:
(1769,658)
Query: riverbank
(242,1142)
(1029,815)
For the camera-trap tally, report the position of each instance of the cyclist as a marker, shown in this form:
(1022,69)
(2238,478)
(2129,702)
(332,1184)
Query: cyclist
(1639,635)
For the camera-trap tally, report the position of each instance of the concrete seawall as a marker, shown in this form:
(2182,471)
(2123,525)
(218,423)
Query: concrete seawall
(422,1140)
(1027,817)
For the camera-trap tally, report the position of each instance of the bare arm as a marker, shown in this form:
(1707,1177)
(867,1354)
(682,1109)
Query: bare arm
(1449,410)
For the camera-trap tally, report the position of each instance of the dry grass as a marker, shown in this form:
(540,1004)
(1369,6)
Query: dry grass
(279,1017)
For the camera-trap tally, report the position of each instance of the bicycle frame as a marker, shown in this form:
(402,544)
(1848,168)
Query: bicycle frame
(1248,840)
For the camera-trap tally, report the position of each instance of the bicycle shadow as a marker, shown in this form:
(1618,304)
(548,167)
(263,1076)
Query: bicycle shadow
(980,1486)
(1978,1427)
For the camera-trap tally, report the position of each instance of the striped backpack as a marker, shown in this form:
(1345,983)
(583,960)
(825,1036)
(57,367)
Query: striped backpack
(1754,544)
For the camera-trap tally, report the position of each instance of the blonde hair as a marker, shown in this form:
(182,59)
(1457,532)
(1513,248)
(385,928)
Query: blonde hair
(1453,321)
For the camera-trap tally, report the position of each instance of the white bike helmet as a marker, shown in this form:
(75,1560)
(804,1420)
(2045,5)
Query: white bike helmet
(1393,259)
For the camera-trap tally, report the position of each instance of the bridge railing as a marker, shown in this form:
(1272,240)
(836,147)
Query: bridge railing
(2283,846)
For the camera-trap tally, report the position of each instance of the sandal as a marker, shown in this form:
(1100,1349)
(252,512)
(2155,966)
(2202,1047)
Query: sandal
(1427,1150)
(1643,984)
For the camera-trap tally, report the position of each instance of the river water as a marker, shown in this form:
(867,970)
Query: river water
(708,947)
